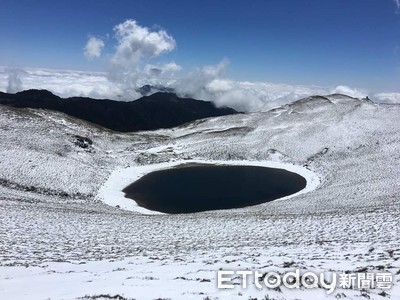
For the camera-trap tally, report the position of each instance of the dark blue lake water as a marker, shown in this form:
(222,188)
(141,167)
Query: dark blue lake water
(195,188)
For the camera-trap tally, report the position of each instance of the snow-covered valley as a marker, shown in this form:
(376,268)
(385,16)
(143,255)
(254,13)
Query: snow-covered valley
(62,236)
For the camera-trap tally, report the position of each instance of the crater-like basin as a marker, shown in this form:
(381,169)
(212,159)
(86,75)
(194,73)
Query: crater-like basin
(193,188)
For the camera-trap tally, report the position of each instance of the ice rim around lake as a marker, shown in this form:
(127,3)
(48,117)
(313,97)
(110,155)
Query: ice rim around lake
(111,192)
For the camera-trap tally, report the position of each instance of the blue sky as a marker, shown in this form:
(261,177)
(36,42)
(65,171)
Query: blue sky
(321,42)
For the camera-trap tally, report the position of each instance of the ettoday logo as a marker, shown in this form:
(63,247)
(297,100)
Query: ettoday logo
(309,280)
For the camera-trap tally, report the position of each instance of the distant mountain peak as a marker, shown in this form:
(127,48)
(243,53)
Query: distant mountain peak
(147,89)
(35,93)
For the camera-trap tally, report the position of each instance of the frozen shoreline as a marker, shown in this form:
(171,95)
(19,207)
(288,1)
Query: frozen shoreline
(111,191)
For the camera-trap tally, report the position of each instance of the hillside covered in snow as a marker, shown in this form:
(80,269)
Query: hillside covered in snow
(63,237)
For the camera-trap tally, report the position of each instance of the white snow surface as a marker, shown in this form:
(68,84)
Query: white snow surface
(59,240)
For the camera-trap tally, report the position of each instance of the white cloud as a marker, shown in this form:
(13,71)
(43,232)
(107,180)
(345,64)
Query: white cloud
(65,83)
(220,85)
(14,80)
(200,82)
(207,83)
(240,99)
(397,3)
(93,48)
(136,46)
(169,68)
(387,98)
(216,70)
(352,92)
(136,42)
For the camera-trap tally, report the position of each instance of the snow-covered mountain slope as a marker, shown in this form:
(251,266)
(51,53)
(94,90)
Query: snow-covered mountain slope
(60,241)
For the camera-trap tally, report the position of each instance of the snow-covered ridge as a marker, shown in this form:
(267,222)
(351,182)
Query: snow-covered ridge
(64,243)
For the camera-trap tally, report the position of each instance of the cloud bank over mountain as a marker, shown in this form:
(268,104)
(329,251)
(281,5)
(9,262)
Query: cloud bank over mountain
(207,83)
(136,61)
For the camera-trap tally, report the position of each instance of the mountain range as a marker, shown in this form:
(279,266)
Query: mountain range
(156,111)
